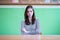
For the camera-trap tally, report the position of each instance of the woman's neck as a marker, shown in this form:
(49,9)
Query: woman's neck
(30,19)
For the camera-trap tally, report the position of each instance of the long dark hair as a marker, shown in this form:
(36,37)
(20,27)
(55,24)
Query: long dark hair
(26,16)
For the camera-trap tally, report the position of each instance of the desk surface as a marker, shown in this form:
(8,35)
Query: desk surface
(29,37)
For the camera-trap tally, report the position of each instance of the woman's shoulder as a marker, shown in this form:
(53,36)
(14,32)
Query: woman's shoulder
(37,20)
(22,21)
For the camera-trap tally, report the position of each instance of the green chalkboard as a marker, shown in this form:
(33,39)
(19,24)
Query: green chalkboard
(10,20)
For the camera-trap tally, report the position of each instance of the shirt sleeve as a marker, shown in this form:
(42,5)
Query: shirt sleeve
(38,26)
(22,26)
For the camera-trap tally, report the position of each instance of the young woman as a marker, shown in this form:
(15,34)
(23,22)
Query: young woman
(30,26)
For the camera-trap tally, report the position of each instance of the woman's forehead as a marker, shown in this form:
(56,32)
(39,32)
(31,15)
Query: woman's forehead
(30,9)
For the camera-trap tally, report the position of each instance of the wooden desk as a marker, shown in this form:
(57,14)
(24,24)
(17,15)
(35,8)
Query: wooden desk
(29,37)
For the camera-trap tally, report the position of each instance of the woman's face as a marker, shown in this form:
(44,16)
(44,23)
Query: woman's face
(30,12)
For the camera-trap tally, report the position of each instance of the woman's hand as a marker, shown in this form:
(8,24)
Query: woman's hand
(25,30)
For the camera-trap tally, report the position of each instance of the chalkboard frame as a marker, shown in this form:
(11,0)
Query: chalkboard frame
(26,2)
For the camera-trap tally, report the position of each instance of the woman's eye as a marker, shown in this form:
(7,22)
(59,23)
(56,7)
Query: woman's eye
(27,11)
(30,11)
